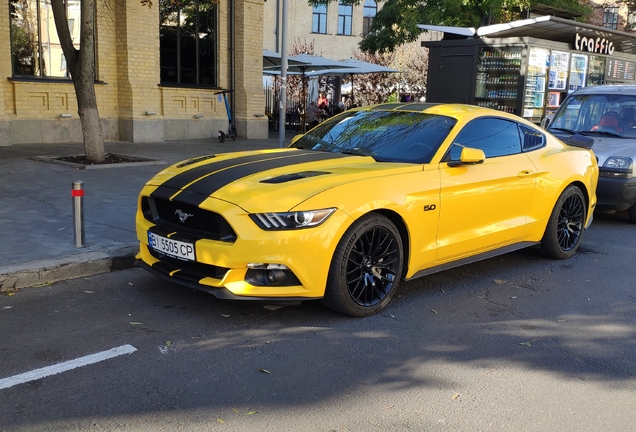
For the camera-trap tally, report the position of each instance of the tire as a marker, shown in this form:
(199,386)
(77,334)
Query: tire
(564,232)
(632,213)
(366,267)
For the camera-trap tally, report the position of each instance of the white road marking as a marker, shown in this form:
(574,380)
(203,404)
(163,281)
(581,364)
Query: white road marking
(65,366)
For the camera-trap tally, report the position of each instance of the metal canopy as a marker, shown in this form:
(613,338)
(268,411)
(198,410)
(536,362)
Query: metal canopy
(546,27)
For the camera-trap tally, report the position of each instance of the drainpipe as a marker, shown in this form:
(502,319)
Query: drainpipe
(277,31)
(232,63)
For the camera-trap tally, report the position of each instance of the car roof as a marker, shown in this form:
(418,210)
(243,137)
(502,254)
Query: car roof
(608,89)
(450,109)
(455,110)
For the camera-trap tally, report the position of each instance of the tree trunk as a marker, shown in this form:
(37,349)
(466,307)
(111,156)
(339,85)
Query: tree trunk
(81,64)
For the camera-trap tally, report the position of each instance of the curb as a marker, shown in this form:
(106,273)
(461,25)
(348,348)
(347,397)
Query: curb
(48,271)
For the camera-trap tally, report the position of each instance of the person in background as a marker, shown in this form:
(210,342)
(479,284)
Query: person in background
(323,104)
(312,115)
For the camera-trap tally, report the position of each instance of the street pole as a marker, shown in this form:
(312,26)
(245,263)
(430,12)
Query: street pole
(283,76)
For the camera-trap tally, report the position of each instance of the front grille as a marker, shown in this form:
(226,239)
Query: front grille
(188,218)
(194,270)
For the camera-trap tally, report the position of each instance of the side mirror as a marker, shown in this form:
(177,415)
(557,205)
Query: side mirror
(296,138)
(472,156)
(545,123)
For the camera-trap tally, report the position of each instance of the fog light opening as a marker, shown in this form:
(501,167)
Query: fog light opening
(275,277)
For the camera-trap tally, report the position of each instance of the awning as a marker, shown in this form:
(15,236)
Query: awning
(545,27)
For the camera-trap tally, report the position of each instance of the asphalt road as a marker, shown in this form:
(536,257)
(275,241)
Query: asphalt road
(514,343)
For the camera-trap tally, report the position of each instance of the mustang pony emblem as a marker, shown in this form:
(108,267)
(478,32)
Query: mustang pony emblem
(182,216)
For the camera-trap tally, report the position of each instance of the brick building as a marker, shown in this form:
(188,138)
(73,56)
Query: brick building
(157,69)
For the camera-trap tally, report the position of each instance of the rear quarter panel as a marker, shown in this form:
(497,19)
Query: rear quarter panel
(558,167)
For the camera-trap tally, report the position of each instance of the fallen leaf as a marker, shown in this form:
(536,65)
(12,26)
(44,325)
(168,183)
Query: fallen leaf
(43,285)
(455,396)
(434,311)
(134,323)
(251,412)
(528,344)
(89,292)
(265,371)
(225,316)
(234,409)
(168,343)
(11,294)
(220,420)
(500,281)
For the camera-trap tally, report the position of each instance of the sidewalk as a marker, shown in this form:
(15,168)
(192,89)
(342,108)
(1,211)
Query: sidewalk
(36,214)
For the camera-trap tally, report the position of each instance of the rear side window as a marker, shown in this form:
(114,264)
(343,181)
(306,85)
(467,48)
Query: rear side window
(495,136)
(531,139)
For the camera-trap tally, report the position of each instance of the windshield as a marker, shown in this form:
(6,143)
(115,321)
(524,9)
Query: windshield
(387,136)
(597,114)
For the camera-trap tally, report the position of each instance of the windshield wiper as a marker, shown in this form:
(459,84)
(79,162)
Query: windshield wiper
(605,133)
(359,152)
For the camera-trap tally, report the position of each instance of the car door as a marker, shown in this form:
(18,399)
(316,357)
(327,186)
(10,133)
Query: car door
(485,205)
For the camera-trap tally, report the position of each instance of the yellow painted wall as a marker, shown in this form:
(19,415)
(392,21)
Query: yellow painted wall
(128,71)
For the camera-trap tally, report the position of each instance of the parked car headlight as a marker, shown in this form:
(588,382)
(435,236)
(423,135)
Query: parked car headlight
(291,220)
(617,167)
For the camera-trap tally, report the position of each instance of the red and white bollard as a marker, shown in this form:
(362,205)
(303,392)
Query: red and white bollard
(78,213)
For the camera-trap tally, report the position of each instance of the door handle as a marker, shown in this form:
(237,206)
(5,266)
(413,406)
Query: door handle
(525,173)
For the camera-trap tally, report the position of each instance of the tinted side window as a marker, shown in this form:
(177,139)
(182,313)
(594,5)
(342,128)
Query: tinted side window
(496,137)
(531,138)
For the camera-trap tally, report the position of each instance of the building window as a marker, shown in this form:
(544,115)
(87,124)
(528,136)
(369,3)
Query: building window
(319,19)
(610,18)
(188,39)
(345,12)
(369,11)
(36,51)
(631,20)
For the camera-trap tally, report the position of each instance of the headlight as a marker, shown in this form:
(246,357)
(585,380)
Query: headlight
(617,167)
(291,220)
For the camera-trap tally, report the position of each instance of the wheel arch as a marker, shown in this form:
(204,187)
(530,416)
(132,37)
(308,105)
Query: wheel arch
(399,223)
(586,194)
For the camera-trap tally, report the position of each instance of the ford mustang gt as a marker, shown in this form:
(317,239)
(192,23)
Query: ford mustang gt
(363,201)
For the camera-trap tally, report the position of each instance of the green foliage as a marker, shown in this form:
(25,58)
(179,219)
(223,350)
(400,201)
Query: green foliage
(396,21)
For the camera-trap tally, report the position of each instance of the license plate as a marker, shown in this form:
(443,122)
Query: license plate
(173,248)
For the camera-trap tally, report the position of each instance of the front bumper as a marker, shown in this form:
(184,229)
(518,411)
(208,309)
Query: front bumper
(221,266)
(615,194)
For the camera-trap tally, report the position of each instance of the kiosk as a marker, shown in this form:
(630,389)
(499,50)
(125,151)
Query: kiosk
(526,67)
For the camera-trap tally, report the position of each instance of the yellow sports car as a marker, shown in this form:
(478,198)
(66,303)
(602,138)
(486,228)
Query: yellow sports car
(364,200)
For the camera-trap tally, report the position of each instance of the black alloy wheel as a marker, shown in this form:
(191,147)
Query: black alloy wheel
(566,225)
(571,220)
(366,268)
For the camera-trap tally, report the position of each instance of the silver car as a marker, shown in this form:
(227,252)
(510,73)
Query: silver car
(607,114)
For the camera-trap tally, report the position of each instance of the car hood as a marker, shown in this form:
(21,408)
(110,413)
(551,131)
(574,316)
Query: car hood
(605,147)
(267,180)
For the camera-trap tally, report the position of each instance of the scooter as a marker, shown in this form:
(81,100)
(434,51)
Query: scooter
(231,130)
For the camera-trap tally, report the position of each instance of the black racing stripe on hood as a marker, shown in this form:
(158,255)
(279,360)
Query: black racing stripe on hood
(210,184)
(173,184)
